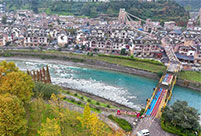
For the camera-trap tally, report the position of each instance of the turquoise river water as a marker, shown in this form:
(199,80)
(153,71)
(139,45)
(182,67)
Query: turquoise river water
(123,88)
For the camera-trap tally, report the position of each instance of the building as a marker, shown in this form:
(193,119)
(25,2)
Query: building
(62,39)
(109,45)
(35,38)
(147,48)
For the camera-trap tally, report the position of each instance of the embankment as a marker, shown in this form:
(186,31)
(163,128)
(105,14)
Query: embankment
(92,63)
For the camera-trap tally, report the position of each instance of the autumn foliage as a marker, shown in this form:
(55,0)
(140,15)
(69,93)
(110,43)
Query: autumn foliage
(15,82)
(12,116)
(24,115)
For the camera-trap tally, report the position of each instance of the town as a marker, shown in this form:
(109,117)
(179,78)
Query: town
(100,68)
(105,35)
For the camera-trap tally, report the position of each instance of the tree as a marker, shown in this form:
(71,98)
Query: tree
(182,116)
(35,111)
(92,123)
(123,52)
(67,119)
(97,127)
(17,83)
(8,66)
(50,128)
(4,19)
(86,116)
(12,116)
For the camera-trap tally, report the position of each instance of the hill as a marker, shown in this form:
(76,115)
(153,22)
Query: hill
(158,11)
(191,5)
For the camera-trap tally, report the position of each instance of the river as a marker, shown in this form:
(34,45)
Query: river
(126,89)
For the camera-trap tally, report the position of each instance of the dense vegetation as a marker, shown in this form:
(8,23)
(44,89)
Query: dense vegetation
(125,125)
(180,119)
(160,11)
(24,112)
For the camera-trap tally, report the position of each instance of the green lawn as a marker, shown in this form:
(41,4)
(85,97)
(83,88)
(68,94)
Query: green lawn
(190,75)
(134,64)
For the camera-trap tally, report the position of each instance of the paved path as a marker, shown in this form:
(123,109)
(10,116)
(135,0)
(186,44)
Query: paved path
(152,125)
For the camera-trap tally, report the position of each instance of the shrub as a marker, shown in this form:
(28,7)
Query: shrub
(75,94)
(142,111)
(82,98)
(108,106)
(45,90)
(43,57)
(78,102)
(97,109)
(88,100)
(125,125)
(97,103)
(72,100)
(174,130)
(160,74)
(68,92)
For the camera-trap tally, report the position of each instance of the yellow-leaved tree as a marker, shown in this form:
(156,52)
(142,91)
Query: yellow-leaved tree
(86,116)
(91,121)
(15,82)
(97,127)
(12,116)
(50,128)
(9,66)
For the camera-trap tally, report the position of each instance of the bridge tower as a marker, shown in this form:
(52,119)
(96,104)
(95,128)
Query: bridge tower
(122,16)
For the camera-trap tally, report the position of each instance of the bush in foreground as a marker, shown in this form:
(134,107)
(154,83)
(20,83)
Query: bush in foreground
(125,125)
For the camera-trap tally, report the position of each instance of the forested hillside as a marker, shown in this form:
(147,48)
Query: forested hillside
(160,11)
(191,5)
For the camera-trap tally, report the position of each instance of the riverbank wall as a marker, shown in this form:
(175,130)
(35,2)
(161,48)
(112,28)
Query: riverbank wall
(98,64)
(101,99)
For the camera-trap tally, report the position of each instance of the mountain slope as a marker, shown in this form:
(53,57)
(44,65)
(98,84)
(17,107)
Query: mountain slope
(158,11)
(191,5)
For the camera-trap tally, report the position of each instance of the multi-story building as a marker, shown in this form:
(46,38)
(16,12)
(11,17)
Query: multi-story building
(109,45)
(35,38)
(147,48)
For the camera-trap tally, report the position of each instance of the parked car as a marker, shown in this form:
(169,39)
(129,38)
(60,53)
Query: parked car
(144,132)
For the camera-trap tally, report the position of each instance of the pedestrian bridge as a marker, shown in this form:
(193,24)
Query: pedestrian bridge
(163,92)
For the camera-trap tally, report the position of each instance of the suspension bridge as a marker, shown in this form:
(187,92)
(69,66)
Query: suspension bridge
(137,25)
